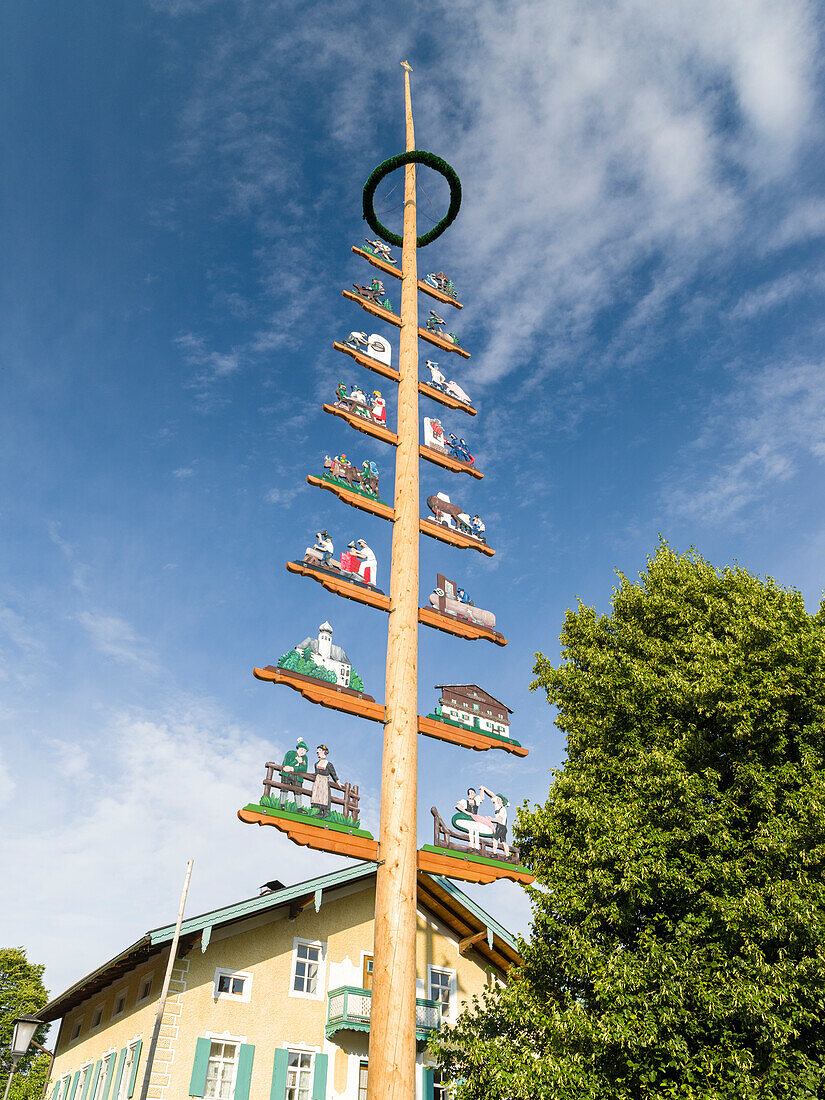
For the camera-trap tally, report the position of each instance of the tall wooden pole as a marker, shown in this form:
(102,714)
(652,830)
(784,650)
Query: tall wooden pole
(164,993)
(392,1022)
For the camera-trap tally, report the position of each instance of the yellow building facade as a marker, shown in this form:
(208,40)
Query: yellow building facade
(270,997)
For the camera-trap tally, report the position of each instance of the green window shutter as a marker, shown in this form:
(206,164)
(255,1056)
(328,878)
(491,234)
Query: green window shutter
(429,1083)
(135,1061)
(110,1072)
(56,1092)
(121,1061)
(197,1085)
(244,1071)
(91,1082)
(319,1078)
(75,1079)
(279,1068)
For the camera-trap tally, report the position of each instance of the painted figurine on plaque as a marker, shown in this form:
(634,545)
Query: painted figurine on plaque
(324,773)
(358,563)
(472,708)
(381,250)
(475,825)
(441,282)
(478,829)
(437,440)
(455,518)
(375,346)
(329,800)
(320,659)
(374,293)
(435,325)
(372,408)
(451,599)
(438,382)
(363,479)
(292,770)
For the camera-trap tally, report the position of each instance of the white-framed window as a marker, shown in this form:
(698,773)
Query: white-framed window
(126,1076)
(367,965)
(308,969)
(299,1075)
(363,1077)
(97,1017)
(144,989)
(119,1004)
(84,1077)
(76,1029)
(221,1069)
(442,988)
(65,1085)
(232,985)
(439,1089)
(105,1062)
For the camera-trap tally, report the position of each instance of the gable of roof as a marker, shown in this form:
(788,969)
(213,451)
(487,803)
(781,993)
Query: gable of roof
(440,895)
(464,689)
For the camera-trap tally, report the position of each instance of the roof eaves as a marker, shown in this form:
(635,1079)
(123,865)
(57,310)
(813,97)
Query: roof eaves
(48,1012)
(490,922)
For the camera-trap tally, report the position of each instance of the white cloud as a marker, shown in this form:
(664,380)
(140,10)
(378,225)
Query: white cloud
(601,140)
(752,439)
(149,790)
(117,639)
(7,784)
(282,496)
(183,471)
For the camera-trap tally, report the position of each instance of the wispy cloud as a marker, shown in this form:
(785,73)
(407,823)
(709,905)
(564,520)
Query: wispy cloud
(752,439)
(140,781)
(183,472)
(115,638)
(282,496)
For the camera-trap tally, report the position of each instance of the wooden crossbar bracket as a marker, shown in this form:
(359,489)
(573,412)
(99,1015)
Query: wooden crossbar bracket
(468,941)
(299,905)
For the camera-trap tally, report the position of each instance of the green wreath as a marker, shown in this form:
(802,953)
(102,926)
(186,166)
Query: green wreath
(418,156)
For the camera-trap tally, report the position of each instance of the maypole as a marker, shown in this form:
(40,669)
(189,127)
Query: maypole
(472,844)
(392,1022)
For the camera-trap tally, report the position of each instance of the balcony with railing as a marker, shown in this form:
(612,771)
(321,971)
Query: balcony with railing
(348,1009)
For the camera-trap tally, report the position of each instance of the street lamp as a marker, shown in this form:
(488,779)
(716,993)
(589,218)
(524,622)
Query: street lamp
(22,1038)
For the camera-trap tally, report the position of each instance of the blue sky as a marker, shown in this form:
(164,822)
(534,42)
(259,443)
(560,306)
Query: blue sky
(640,254)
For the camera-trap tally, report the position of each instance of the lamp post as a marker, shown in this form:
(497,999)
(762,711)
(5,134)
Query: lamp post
(22,1038)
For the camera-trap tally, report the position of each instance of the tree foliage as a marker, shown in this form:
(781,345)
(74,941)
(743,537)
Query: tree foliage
(679,905)
(22,993)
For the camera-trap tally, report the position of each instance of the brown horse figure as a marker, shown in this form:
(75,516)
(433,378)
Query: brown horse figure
(452,515)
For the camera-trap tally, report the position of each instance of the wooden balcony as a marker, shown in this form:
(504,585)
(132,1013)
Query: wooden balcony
(349,1009)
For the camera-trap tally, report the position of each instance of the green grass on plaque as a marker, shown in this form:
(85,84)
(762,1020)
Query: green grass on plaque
(273,801)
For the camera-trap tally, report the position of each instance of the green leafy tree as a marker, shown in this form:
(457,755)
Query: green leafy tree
(22,993)
(679,904)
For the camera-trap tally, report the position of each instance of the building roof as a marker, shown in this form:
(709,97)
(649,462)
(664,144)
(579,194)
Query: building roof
(455,687)
(437,894)
(335,651)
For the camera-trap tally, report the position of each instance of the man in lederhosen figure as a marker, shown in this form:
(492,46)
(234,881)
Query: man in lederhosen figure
(293,769)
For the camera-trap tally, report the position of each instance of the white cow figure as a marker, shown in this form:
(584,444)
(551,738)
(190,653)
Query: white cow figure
(452,388)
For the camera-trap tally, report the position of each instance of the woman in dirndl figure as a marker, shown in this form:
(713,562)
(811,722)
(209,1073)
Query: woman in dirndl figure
(324,771)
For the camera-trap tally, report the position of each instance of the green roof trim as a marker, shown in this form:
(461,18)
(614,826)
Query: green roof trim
(262,902)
